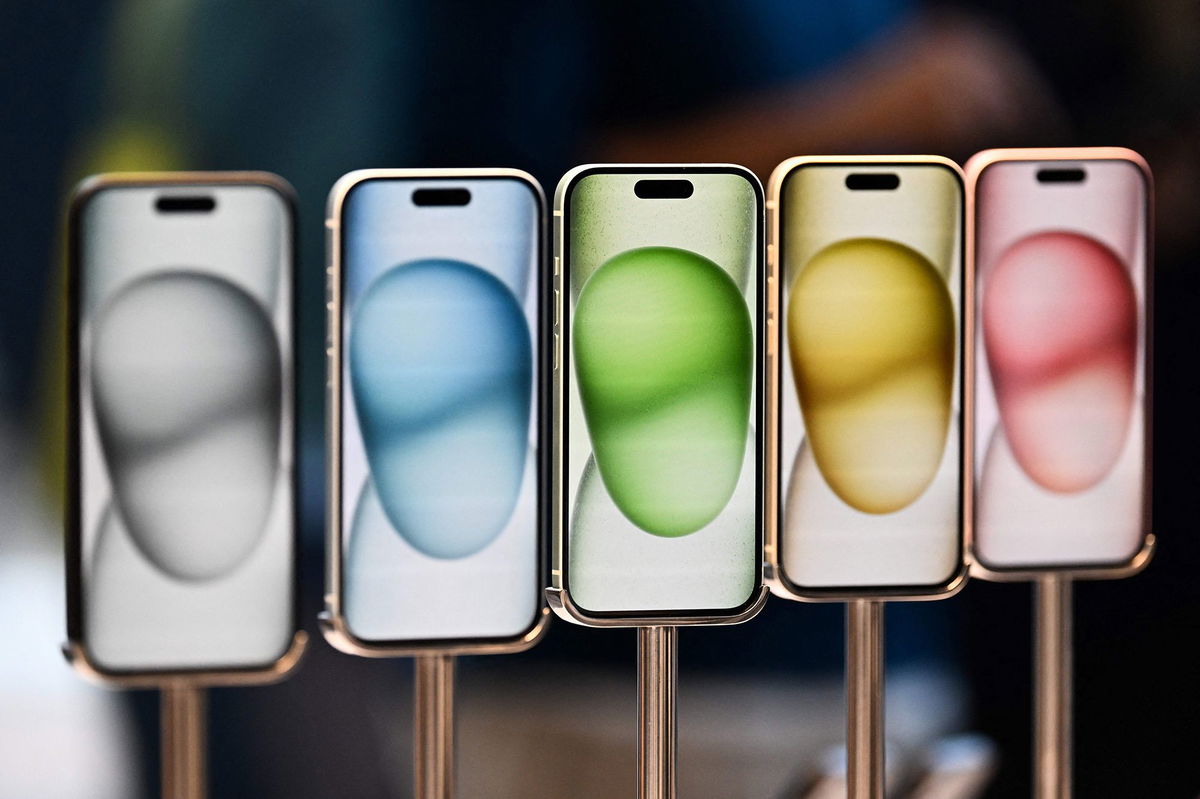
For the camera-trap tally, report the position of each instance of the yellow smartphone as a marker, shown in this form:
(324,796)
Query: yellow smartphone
(868,457)
(658,354)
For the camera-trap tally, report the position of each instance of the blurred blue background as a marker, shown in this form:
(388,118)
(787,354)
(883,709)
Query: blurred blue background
(311,90)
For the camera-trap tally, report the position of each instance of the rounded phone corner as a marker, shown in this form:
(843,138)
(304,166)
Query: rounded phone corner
(82,664)
(337,634)
(957,582)
(558,601)
(86,666)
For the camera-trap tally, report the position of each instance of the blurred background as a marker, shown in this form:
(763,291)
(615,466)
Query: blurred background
(313,89)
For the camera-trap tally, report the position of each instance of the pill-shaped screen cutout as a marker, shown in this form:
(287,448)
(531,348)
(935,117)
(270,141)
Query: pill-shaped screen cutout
(184,504)
(869,379)
(438,446)
(661,426)
(1060,377)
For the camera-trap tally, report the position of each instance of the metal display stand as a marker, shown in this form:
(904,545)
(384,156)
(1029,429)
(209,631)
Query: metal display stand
(184,740)
(1052,687)
(433,726)
(864,699)
(658,678)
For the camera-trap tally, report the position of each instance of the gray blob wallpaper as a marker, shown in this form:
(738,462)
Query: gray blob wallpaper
(185,419)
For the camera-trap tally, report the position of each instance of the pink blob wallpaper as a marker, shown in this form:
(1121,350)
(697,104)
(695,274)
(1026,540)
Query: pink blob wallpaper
(1060,328)
(1059,376)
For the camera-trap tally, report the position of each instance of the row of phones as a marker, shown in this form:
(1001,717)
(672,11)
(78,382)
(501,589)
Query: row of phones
(853,386)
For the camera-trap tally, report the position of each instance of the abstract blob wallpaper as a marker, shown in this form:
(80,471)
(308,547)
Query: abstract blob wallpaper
(870,395)
(661,445)
(185,389)
(439,428)
(1060,279)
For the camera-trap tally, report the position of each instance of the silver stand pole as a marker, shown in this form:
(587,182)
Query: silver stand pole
(1052,688)
(433,743)
(184,741)
(658,675)
(864,699)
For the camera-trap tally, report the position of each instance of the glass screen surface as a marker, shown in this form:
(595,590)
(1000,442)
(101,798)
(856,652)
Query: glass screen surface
(439,436)
(1060,363)
(185,426)
(662,441)
(870,385)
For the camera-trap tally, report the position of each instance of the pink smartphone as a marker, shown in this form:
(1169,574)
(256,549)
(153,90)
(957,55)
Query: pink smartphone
(1061,252)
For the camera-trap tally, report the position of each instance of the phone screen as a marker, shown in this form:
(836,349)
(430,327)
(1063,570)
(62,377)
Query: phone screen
(870,385)
(1060,409)
(661,432)
(439,468)
(183,425)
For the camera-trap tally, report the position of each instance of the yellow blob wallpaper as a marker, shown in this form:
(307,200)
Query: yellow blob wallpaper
(869,408)
(871,332)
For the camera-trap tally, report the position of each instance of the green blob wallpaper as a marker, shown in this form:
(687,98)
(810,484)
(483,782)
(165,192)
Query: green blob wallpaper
(664,354)
(661,447)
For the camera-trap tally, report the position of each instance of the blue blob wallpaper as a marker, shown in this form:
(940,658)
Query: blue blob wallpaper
(440,368)
(439,437)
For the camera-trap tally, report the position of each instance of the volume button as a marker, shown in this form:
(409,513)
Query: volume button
(772,305)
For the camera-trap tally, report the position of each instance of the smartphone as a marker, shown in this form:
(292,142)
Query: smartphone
(181,493)
(436,422)
(1061,249)
(866,362)
(658,363)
